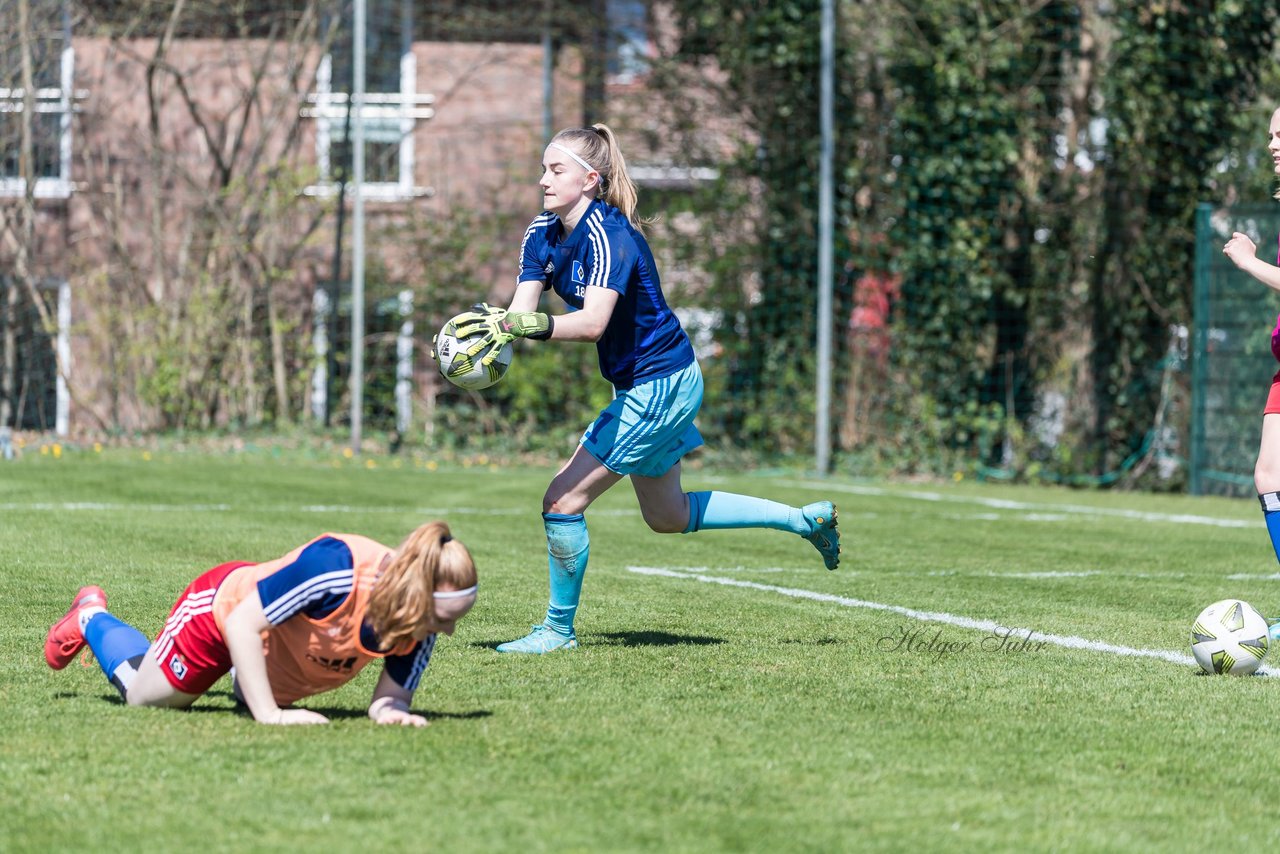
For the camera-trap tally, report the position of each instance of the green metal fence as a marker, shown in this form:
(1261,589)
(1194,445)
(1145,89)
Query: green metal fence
(1232,362)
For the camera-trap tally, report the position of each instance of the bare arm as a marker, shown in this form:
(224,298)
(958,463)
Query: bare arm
(391,703)
(589,323)
(1243,253)
(243,628)
(526,297)
(585,325)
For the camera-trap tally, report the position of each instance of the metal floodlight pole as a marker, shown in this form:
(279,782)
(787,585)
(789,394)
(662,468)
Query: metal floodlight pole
(357,231)
(826,223)
(548,73)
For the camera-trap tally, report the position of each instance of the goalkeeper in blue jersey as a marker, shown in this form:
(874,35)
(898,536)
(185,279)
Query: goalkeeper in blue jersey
(588,247)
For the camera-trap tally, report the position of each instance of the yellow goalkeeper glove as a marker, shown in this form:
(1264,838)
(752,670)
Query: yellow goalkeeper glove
(495,328)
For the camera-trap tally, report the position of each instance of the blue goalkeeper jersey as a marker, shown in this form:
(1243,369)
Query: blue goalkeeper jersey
(644,340)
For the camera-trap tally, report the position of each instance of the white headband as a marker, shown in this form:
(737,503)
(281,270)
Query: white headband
(584,164)
(456,594)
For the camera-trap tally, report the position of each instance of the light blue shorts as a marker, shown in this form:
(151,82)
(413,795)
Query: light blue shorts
(647,429)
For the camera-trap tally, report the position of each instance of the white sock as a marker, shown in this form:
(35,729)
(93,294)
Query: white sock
(87,613)
(122,678)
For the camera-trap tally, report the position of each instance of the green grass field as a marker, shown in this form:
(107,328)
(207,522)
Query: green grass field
(742,699)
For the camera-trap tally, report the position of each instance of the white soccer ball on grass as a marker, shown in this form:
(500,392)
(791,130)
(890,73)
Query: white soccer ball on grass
(1230,637)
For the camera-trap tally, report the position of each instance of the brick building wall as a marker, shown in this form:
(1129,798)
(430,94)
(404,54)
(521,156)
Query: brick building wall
(145,172)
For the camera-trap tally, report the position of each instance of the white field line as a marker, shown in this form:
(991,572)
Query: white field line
(1047,574)
(1034,576)
(1067,641)
(764,569)
(1005,504)
(72,506)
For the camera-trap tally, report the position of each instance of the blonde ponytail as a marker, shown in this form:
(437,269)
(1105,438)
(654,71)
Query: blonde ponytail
(402,599)
(619,189)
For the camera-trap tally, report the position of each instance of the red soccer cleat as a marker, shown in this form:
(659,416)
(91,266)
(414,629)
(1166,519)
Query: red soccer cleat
(65,638)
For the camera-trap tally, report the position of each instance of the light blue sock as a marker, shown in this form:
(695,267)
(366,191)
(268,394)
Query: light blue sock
(568,548)
(118,646)
(711,510)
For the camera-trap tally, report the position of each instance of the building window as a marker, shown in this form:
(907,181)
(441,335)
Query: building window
(392,105)
(53,66)
(41,400)
(629,47)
